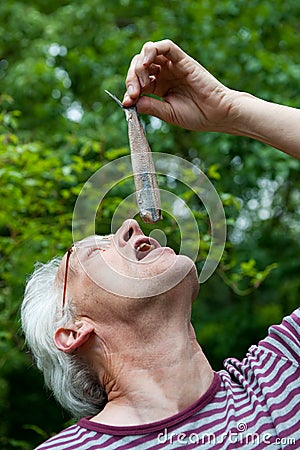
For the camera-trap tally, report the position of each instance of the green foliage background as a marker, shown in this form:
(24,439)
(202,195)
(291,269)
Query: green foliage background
(57,127)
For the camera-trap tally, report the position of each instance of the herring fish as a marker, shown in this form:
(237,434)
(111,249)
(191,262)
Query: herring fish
(147,190)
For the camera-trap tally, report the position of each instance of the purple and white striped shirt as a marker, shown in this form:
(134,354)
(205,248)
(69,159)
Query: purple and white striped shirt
(251,404)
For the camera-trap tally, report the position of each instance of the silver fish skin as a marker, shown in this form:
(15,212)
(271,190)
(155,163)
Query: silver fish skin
(144,174)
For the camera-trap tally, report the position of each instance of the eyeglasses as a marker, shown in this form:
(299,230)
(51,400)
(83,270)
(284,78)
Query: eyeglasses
(102,244)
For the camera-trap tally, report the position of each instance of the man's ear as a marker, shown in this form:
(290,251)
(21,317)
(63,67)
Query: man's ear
(69,339)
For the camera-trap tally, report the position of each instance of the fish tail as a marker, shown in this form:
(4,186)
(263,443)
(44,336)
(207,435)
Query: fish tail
(115,98)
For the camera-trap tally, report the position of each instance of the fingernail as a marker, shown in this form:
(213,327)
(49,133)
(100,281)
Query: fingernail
(130,90)
(126,98)
(146,61)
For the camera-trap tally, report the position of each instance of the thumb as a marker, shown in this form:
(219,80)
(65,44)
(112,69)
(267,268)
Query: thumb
(154,107)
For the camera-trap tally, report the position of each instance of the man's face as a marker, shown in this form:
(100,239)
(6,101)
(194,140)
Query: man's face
(132,266)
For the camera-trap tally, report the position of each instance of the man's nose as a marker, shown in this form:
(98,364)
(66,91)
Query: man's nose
(128,229)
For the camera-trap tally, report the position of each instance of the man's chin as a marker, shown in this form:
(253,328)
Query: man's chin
(150,281)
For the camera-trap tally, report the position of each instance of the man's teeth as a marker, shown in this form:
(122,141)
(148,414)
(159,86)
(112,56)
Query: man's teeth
(144,247)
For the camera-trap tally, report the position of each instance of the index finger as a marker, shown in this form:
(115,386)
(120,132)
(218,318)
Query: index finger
(132,82)
(166,48)
(138,73)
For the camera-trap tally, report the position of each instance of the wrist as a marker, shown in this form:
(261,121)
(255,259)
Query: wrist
(232,114)
(237,119)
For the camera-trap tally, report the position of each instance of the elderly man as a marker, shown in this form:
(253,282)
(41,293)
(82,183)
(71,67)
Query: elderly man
(109,324)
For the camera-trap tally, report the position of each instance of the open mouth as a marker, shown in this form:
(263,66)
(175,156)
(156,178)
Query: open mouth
(141,244)
(143,247)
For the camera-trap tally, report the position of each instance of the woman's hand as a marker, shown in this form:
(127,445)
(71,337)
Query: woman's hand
(190,96)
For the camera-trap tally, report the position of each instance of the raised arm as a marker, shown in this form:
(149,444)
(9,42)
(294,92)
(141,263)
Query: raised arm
(194,99)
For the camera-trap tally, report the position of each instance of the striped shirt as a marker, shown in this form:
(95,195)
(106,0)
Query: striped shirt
(251,404)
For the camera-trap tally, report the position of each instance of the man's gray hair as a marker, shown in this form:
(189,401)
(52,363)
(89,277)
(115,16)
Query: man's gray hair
(73,384)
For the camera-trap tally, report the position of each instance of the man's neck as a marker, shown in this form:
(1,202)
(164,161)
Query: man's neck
(155,381)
